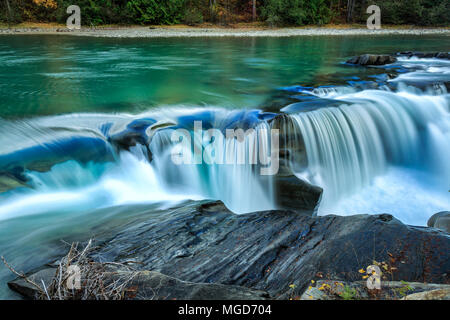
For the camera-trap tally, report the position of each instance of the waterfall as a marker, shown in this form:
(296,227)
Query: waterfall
(348,146)
(75,166)
(237,182)
(372,151)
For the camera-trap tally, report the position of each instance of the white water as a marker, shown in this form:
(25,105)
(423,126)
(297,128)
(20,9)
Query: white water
(70,187)
(379,151)
(237,185)
(131,178)
(426,70)
(352,151)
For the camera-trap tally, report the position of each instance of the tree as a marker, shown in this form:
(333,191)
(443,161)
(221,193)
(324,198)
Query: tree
(350,8)
(254,11)
(9,12)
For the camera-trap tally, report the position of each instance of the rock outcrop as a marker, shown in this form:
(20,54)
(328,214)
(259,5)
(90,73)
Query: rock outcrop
(372,60)
(293,193)
(271,250)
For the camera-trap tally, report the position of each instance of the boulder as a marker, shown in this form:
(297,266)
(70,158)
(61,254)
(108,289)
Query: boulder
(28,290)
(438,55)
(271,250)
(440,220)
(292,193)
(277,251)
(372,60)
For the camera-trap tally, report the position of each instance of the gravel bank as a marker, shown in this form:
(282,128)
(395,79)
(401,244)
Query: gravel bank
(161,32)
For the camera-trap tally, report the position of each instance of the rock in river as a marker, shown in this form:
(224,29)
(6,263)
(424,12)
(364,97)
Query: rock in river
(271,251)
(372,60)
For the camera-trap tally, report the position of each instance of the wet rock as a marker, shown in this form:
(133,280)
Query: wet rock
(440,220)
(9,180)
(438,55)
(138,132)
(28,290)
(372,60)
(293,193)
(271,250)
(291,144)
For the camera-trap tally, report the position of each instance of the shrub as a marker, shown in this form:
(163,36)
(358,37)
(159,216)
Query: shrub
(193,16)
(296,12)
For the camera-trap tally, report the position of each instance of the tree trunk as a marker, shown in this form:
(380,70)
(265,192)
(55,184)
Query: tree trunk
(254,11)
(350,7)
(9,13)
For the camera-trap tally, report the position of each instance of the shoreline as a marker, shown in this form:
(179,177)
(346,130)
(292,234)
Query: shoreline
(196,32)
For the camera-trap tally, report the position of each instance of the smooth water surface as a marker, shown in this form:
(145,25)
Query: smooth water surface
(42,75)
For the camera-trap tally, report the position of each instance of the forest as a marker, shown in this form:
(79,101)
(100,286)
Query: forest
(274,13)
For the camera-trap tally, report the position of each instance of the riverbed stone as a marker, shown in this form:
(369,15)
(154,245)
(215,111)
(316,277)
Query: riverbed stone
(372,60)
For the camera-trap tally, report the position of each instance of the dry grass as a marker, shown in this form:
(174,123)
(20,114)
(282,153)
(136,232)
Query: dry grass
(97,281)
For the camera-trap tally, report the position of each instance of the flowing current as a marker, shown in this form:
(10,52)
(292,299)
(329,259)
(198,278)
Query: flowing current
(377,151)
(380,151)
(372,151)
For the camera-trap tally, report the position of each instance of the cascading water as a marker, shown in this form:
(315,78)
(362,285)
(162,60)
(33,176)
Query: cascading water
(231,176)
(106,177)
(365,140)
(371,134)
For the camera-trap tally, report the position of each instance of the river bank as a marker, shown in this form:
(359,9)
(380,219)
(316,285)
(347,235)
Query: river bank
(239,30)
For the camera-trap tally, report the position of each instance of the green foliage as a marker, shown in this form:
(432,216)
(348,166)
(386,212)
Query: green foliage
(404,289)
(11,13)
(156,11)
(274,12)
(415,12)
(296,12)
(193,16)
(348,293)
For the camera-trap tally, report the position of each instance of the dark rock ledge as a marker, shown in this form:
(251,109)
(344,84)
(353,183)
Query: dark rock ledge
(372,60)
(383,59)
(277,252)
